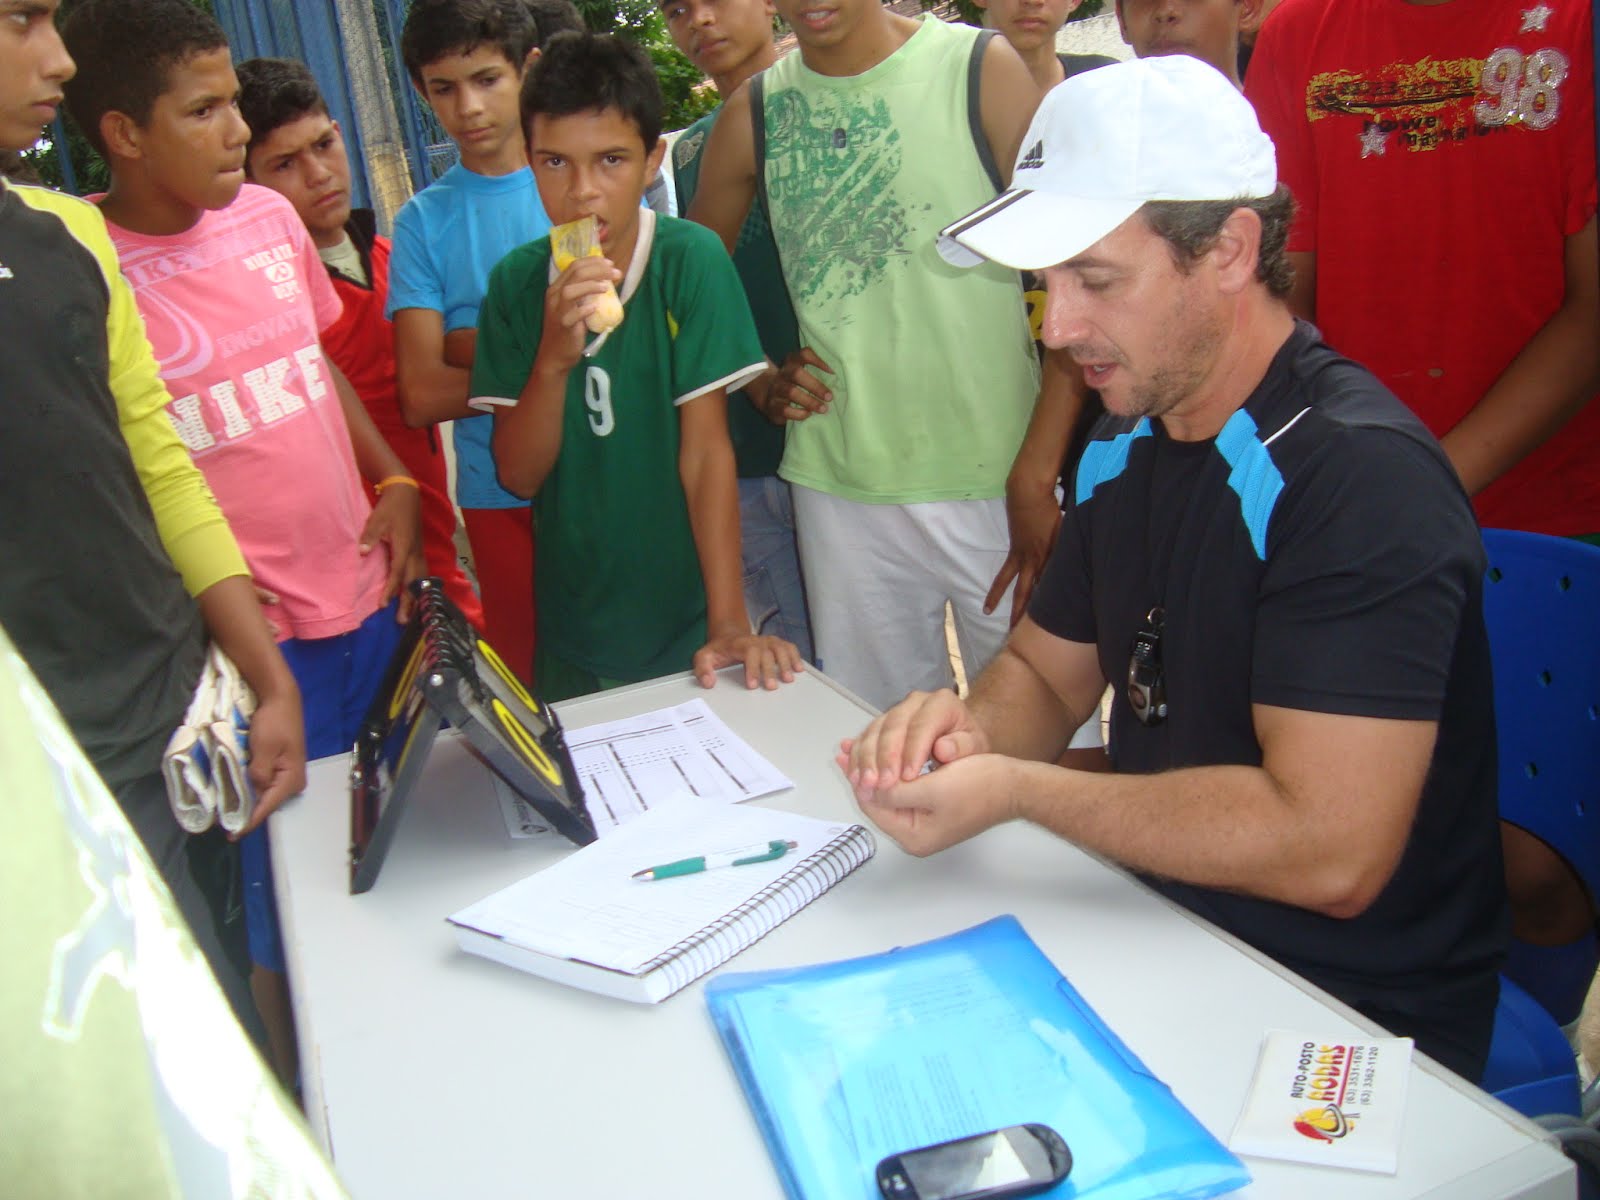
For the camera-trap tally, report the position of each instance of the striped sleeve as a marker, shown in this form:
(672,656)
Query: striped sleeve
(191,525)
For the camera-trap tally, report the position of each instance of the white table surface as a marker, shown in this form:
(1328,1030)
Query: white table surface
(429,1072)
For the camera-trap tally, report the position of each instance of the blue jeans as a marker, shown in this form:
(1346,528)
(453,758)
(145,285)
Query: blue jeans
(773,591)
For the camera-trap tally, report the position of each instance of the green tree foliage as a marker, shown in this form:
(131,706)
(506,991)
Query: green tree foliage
(688,97)
(88,168)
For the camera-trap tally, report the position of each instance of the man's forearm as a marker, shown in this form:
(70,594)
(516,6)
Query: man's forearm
(527,435)
(1274,830)
(1228,827)
(1020,714)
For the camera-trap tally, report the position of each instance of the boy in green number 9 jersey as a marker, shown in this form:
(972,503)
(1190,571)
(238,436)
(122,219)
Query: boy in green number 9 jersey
(622,442)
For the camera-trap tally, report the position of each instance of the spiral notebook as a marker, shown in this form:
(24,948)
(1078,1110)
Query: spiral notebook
(589,923)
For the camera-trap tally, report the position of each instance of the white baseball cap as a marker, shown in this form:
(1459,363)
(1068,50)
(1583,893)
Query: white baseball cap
(1105,142)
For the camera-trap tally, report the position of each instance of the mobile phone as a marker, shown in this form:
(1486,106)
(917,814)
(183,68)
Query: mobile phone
(1019,1160)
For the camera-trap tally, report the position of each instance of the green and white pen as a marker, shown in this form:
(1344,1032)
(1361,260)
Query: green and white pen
(742,856)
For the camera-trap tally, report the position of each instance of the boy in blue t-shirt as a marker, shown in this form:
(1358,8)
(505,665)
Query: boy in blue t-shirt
(467,58)
(622,441)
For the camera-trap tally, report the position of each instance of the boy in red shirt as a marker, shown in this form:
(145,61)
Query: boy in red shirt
(297,150)
(1442,159)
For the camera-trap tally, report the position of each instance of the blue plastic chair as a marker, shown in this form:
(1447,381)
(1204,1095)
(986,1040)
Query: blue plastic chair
(1531,1066)
(1542,608)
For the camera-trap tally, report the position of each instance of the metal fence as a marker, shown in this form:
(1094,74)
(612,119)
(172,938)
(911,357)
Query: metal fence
(352,47)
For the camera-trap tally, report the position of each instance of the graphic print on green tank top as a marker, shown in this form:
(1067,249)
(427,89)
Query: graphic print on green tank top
(854,223)
(932,372)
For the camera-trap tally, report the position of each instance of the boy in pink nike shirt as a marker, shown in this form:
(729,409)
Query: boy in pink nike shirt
(234,298)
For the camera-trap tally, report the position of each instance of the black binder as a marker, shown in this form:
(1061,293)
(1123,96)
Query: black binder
(443,670)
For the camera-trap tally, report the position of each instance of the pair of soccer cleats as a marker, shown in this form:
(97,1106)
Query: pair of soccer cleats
(206,761)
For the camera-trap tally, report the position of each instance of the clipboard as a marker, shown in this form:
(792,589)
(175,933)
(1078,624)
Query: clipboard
(443,670)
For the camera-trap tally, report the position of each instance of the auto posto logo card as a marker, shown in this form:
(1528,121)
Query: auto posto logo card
(1334,1102)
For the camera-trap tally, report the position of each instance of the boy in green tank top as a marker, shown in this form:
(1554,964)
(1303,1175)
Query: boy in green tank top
(910,399)
(622,441)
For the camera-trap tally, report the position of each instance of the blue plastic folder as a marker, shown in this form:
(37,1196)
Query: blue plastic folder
(848,1062)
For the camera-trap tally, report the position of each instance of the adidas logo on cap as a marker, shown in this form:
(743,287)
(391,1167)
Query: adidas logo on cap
(1033,160)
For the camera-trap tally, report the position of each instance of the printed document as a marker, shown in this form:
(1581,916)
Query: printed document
(628,767)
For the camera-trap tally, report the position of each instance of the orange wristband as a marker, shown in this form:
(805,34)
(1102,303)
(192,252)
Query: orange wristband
(394,479)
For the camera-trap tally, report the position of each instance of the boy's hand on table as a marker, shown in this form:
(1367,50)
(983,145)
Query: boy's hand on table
(767,660)
(277,754)
(568,304)
(397,519)
(792,392)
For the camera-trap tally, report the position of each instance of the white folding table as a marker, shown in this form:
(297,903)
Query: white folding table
(431,1073)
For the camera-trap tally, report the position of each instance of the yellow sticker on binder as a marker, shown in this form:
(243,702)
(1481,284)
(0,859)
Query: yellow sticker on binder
(525,742)
(513,684)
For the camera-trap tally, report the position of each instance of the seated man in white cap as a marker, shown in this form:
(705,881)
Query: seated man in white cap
(1267,554)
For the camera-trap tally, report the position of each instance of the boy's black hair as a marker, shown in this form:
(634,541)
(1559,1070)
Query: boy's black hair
(588,72)
(437,28)
(552,17)
(275,91)
(125,51)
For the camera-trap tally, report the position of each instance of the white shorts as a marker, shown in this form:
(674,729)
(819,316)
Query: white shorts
(878,577)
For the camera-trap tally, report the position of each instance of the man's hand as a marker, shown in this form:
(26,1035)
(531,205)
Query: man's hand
(767,660)
(277,754)
(792,392)
(925,727)
(946,806)
(397,519)
(1034,519)
(567,305)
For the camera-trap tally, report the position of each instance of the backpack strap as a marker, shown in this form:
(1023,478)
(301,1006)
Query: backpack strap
(980,139)
(758,132)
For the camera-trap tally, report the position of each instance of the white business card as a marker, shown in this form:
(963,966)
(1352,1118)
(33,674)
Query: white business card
(1334,1102)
